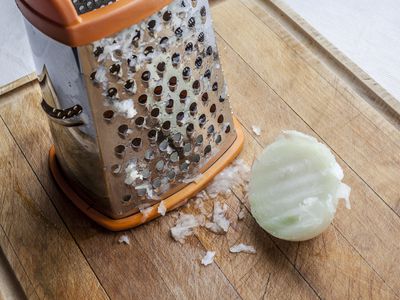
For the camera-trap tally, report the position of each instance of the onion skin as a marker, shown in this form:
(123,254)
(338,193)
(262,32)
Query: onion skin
(294,188)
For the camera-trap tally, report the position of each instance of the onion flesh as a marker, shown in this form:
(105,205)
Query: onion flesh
(295,186)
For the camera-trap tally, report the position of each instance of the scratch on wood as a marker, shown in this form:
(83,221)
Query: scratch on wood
(266,287)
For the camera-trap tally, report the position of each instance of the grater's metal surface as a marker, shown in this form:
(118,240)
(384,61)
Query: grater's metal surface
(152,111)
(84,6)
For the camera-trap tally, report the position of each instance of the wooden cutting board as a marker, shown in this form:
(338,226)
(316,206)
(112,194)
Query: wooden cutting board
(282,75)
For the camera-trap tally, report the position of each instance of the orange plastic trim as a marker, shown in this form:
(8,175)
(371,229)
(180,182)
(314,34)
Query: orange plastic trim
(59,20)
(172,202)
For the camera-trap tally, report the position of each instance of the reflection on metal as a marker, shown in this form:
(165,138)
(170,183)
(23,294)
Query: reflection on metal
(137,115)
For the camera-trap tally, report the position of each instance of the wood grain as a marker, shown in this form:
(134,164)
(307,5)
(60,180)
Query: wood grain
(45,249)
(267,104)
(121,270)
(15,85)
(297,84)
(276,117)
(276,83)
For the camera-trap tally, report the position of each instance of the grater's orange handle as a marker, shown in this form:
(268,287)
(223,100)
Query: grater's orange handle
(59,19)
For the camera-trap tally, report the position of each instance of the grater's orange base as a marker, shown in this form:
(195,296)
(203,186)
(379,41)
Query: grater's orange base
(174,201)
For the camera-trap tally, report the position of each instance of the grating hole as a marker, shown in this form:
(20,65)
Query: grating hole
(179,32)
(218,139)
(152,25)
(183,96)
(215,86)
(201,37)
(213,108)
(116,169)
(185,167)
(137,143)
(199,140)
(158,90)
(172,83)
(120,150)
(171,175)
(198,63)
(129,84)
(149,155)
(209,50)
(187,148)
(189,47)
(132,62)
(196,85)
(164,42)
(196,158)
(210,129)
(167,16)
(136,38)
(143,99)
(177,138)
(155,112)
(202,120)
(160,165)
(205,97)
(93,75)
(123,130)
(207,150)
(193,108)
(190,129)
(220,119)
(186,73)
(146,173)
(203,11)
(164,145)
(207,74)
(152,135)
(149,50)
(98,51)
(228,129)
(169,108)
(192,22)
(157,183)
(174,158)
(161,67)
(176,58)
(179,118)
(166,127)
(139,122)
(221,99)
(146,76)
(115,68)
(112,92)
(108,115)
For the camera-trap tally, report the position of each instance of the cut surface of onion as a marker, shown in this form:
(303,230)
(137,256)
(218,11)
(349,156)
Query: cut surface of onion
(295,186)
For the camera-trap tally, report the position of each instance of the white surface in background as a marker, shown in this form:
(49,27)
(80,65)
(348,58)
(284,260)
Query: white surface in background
(15,54)
(366,31)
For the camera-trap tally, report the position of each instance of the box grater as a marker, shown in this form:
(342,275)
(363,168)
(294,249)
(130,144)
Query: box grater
(137,103)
